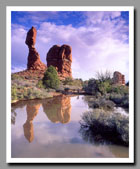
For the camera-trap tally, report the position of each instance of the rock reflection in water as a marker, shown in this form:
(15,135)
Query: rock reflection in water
(35,136)
(58,109)
(32,111)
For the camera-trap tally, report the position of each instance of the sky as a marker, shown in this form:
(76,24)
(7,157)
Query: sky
(99,39)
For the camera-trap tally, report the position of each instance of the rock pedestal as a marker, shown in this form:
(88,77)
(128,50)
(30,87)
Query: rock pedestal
(34,62)
(61,58)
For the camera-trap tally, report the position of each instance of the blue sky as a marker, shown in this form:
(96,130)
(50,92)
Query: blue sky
(99,39)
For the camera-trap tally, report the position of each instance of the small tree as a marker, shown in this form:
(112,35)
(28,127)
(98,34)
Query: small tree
(91,86)
(104,87)
(106,76)
(50,79)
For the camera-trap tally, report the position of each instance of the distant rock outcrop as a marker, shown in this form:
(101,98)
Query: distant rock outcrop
(61,58)
(34,62)
(118,78)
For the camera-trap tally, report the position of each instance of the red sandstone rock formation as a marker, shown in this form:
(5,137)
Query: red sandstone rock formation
(118,78)
(61,58)
(34,62)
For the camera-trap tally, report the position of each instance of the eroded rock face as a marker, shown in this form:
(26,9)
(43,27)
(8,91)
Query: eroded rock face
(34,62)
(61,58)
(58,109)
(118,78)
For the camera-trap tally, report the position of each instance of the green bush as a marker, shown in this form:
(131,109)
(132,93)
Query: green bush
(123,90)
(104,87)
(50,79)
(40,84)
(91,87)
(99,103)
(72,82)
(68,81)
(120,100)
(14,93)
(15,77)
(94,86)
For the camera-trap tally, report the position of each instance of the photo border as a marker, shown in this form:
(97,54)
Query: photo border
(131,84)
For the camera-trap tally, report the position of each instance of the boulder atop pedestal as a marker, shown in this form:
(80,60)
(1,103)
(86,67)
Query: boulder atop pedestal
(31,37)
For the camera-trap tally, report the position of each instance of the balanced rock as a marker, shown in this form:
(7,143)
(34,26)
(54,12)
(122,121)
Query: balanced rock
(34,62)
(118,78)
(61,58)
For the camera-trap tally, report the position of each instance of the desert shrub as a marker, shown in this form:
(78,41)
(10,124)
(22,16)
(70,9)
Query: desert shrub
(101,126)
(40,84)
(14,93)
(119,89)
(68,81)
(50,79)
(120,100)
(91,87)
(99,103)
(102,103)
(16,77)
(72,82)
(106,76)
(103,84)
(20,96)
(95,87)
(104,87)
(78,82)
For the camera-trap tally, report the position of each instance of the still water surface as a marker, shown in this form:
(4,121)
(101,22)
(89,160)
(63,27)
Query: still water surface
(49,128)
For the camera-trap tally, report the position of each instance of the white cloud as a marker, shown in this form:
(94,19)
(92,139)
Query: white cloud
(17,69)
(19,50)
(98,46)
(100,16)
